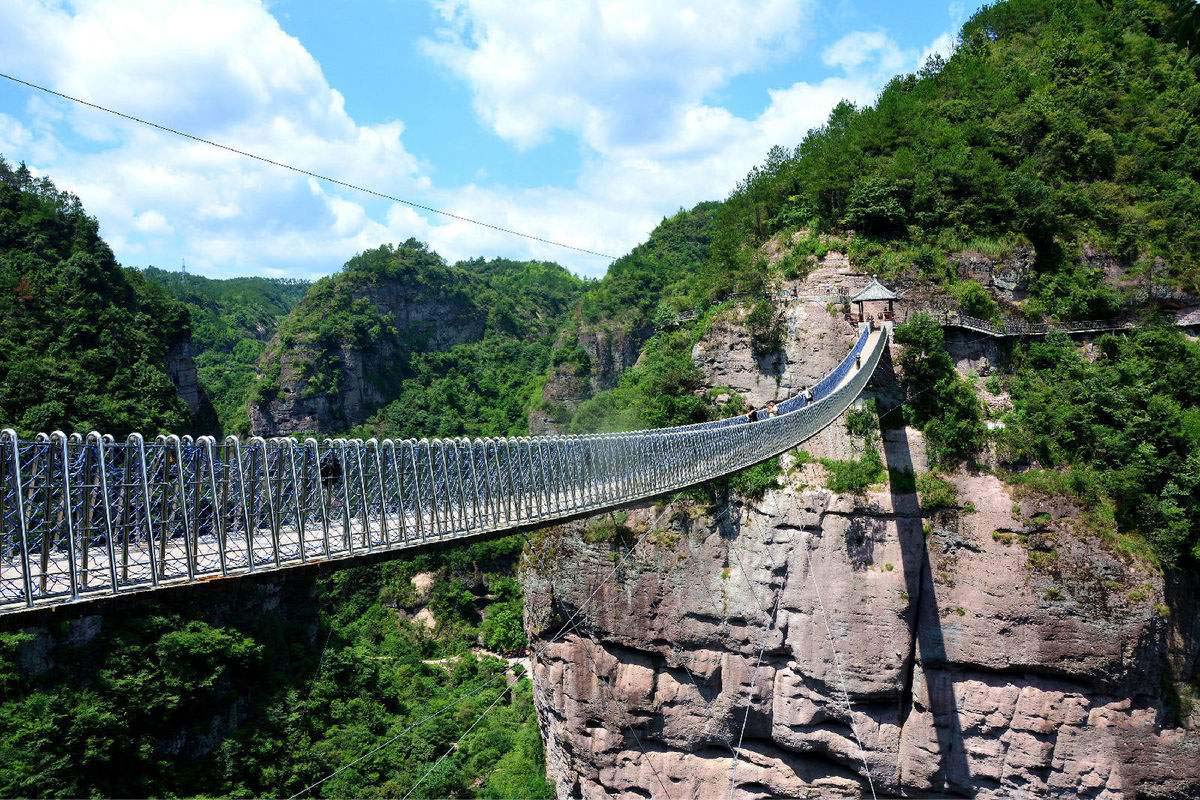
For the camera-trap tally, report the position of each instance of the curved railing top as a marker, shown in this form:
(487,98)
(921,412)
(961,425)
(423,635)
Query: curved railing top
(82,517)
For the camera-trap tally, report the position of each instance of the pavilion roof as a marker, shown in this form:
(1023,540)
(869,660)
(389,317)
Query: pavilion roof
(874,291)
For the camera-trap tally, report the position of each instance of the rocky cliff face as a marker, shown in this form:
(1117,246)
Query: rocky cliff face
(421,317)
(849,646)
(815,645)
(181,366)
(610,351)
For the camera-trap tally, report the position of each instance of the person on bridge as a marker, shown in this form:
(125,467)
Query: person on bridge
(750,415)
(807,395)
(771,410)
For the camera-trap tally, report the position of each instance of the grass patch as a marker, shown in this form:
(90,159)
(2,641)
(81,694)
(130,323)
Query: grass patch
(608,528)
(1043,560)
(753,482)
(936,492)
(854,476)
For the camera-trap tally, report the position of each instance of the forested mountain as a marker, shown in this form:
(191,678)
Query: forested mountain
(454,348)
(85,345)
(232,319)
(1055,124)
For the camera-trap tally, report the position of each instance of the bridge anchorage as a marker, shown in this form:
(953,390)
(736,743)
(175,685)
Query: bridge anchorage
(87,517)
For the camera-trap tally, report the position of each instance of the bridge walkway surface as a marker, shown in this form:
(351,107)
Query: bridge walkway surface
(85,517)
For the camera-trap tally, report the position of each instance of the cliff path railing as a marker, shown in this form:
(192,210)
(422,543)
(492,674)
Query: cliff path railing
(83,517)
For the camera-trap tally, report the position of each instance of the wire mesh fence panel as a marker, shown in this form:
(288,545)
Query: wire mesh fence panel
(284,468)
(234,507)
(165,511)
(312,501)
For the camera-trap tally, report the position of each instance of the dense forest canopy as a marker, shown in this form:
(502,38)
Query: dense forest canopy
(1056,124)
(85,343)
(232,319)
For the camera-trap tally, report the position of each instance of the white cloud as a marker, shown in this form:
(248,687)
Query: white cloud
(621,73)
(152,222)
(224,70)
(633,81)
(943,46)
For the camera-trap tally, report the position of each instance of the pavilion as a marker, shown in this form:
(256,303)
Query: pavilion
(875,292)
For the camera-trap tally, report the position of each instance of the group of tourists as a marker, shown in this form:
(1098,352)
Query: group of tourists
(772,410)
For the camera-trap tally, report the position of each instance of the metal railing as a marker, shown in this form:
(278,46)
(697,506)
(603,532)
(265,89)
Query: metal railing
(1018,328)
(86,516)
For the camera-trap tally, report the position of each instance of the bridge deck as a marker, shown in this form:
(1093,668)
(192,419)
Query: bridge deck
(93,518)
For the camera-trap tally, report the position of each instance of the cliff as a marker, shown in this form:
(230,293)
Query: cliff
(992,645)
(348,348)
(181,366)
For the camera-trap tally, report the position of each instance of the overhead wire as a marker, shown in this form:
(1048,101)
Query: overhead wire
(302,171)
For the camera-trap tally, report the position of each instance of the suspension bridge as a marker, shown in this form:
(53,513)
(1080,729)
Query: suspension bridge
(88,517)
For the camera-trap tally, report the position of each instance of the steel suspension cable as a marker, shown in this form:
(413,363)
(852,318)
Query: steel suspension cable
(301,171)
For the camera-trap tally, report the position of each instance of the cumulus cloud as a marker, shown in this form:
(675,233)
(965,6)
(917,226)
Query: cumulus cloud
(223,69)
(621,72)
(632,81)
(860,47)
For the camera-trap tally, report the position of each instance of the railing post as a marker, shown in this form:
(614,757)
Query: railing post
(298,501)
(398,474)
(183,505)
(476,491)
(357,446)
(22,525)
(140,445)
(218,500)
(324,506)
(269,492)
(413,448)
(383,526)
(241,472)
(347,534)
(59,440)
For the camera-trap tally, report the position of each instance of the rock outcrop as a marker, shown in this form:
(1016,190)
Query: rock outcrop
(610,350)
(181,366)
(811,644)
(363,373)
(970,666)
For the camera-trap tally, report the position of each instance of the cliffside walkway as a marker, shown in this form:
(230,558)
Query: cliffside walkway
(86,517)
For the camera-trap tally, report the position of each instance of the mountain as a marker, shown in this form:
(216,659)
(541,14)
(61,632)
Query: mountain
(231,319)
(86,345)
(458,344)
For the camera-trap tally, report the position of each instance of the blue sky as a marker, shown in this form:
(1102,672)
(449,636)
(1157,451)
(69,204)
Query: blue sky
(578,121)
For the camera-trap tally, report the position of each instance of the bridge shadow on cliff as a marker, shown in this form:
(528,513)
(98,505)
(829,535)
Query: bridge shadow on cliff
(927,643)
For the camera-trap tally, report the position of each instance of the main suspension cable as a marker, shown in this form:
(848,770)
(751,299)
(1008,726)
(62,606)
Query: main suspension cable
(301,171)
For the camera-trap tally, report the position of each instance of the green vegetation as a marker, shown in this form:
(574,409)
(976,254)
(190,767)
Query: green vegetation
(468,360)
(84,344)
(753,482)
(232,319)
(658,278)
(1055,124)
(1121,431)
(854,476)
(180,701)
(936,492)
(663,388)
(937,399)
